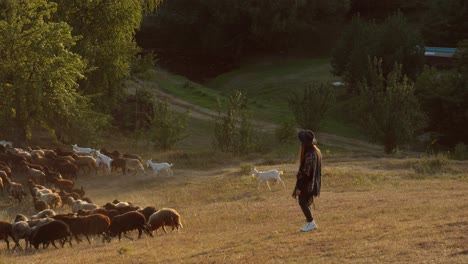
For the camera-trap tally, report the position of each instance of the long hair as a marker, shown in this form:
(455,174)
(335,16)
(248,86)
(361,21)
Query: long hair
(303,150)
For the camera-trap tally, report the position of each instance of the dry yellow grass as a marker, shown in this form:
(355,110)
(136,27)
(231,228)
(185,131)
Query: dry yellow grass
(370,210)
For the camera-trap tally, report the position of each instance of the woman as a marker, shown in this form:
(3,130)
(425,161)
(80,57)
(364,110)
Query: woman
(308,176)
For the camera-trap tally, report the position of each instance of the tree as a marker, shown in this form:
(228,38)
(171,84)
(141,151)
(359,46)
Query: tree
(389,108)
(393,40)
(167,127)
(311,108)
(39,73)
(444,97)
(233,130)
(446,22)
(107,42)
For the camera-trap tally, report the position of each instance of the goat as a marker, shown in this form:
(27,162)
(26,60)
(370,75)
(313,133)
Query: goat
(159,167)
(265,176)
(82,150)
(101,158)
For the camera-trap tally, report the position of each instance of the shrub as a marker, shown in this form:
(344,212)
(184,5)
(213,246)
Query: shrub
(460,152)
(245,168)
(430,165)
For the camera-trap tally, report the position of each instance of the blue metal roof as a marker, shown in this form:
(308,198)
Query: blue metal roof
(439,51)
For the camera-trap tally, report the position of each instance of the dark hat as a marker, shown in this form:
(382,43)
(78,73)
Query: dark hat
(307,137)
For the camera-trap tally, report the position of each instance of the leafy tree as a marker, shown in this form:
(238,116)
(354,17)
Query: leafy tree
(39,73)
(107,42)
(233,130)
(446,22)
(167,127)
(444,97)
(311,107)
(389,108)
(286,132)
(393,40)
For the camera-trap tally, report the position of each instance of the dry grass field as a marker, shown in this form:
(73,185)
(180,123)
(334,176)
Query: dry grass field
(371,210)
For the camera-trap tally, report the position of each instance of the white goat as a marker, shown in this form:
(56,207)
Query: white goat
(82,150)
(101,158)
(265,176)
(159,167)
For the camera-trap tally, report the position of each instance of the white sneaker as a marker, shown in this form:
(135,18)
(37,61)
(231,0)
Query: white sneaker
(309,226)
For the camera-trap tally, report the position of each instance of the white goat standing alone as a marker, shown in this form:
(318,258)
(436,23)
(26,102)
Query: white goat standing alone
(159,167)
(265,176)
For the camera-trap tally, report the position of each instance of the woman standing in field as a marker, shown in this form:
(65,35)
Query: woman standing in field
(308,177)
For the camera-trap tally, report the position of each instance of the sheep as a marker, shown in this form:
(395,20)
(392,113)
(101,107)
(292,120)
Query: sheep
(55,230)
(15,191)
(51,175)
(101,158)
(94,224)
(36,223)
(37,175)
(80,204)
(265,176)
(39,205)
(67,169)
(20,230)
(6,143)
(1,184)
(127,222)
(159,167)
(86,162)
(43,214)
(63,184)
(5,232)
(147,211)
(118,163)
(133,164)
(164,217)
(52,199)
(82,150)
(133,156)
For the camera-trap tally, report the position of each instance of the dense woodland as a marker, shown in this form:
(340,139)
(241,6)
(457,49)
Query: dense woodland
(64,65)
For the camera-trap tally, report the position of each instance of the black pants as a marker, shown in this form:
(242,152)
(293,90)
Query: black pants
(304,203)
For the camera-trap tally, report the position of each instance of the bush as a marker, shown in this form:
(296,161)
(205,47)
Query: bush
(430,165)
(460,152)
(245,168)
(167,128)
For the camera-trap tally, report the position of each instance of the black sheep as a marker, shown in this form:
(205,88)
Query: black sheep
(56,230)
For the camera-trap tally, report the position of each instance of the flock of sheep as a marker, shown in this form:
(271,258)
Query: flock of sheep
(40,169)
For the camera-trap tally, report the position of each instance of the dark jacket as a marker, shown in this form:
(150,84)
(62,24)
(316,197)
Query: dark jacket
(310,174)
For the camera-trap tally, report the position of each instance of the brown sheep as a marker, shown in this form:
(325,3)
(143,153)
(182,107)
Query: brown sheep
(63,184)
(94,224)
(127,222)
(118,163)
(164,217)
(87,162)
(5,232)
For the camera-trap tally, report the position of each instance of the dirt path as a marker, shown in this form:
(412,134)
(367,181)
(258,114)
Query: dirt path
(331,140)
